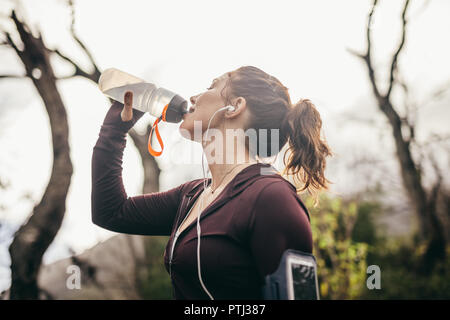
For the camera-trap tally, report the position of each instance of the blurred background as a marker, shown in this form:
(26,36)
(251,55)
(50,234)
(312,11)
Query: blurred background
(377,71)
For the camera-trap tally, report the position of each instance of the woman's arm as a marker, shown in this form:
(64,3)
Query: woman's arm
(112,209)
(278,222)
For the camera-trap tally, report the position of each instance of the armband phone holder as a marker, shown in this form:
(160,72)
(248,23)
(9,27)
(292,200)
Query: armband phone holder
(294,279)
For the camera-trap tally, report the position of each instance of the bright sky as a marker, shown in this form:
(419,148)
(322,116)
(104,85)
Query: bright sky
(183,45)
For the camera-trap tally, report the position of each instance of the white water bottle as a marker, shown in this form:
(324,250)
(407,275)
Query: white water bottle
(147,97)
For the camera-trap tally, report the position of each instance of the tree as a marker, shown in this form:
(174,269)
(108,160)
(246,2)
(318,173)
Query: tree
(34,237)
(403,130)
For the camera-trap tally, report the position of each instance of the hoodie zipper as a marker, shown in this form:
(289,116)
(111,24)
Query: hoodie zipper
(177,233)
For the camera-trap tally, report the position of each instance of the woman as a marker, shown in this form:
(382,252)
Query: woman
(250,214)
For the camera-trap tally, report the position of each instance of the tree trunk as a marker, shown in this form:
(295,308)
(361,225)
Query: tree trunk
(34,237)
(430,228)
(151,168)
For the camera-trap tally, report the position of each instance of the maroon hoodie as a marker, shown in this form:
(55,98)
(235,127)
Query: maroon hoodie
(244,231)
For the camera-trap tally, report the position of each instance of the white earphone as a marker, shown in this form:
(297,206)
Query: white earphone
(228,108)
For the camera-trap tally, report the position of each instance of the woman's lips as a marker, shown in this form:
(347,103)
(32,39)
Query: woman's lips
(191,110)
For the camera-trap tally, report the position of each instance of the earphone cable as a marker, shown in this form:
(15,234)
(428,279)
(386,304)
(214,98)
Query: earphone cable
(200,211)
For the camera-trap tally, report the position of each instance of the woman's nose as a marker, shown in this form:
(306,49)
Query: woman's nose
(193,99)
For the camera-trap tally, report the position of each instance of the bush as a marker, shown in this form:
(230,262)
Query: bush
(155,282)
(341,260)
(400,277)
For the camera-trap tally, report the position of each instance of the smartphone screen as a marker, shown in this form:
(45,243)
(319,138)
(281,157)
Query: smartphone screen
(301,278)
(294,279)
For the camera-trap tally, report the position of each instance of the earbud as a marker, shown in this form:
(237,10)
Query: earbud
(230,108)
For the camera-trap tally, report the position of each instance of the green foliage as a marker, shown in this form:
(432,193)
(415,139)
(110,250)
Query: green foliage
(155,282)
(341,260)
(364,229)
(346,241)
(399,262)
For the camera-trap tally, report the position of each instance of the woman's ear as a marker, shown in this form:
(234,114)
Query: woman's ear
(239,105)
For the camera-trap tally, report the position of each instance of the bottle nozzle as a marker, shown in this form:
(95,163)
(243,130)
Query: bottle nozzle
(177,108)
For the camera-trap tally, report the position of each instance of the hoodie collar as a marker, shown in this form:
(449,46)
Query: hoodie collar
(241,181)
(245,177)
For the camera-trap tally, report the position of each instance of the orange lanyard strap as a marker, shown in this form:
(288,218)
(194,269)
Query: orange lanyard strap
(158,136)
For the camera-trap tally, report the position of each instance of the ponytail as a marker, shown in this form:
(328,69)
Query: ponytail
(270,107)
(307,151)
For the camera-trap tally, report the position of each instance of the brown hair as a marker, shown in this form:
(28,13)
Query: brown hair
(299,124)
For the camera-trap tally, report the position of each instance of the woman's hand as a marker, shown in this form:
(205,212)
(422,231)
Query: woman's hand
(127,111)
(121,116)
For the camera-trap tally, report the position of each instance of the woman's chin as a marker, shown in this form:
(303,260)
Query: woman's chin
(184,131)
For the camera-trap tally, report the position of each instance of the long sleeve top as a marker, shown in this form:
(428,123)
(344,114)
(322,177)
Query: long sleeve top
(244,231)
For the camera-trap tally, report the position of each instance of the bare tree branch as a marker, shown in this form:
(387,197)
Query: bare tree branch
(366,57)
(13,76)
(78,70)
(356,53)
(96,72)
(437,185)
(12,44)
(399,49)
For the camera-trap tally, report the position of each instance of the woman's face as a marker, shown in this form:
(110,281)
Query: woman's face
(203,107)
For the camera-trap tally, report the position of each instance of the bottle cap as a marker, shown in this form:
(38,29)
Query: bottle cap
(172,112)
(176,109)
